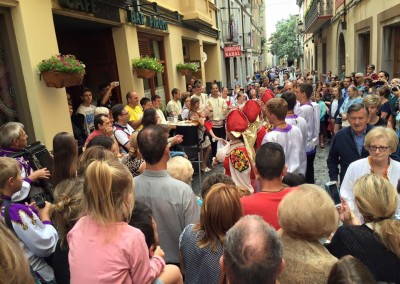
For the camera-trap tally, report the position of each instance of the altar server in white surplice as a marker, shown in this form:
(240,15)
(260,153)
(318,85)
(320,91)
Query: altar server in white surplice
(308,111)
(294,119)
(289,136)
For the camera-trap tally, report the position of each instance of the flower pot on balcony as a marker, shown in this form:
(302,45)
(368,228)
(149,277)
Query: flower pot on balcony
(57,79)
(145,73)
(185,72)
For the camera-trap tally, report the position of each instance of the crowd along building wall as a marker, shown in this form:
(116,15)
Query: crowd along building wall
(353,33)
(106,37)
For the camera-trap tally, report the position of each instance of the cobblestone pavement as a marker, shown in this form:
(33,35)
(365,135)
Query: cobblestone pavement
(320,168)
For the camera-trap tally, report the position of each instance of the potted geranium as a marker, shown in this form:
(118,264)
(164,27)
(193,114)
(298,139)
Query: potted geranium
(146,67)
(62,71)
(187,69)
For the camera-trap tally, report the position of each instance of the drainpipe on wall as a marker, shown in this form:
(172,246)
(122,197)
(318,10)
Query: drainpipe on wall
(244,47)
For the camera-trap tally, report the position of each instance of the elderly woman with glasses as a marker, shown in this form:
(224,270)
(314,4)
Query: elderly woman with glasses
(380,142)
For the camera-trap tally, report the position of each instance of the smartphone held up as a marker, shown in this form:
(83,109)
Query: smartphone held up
(333,191)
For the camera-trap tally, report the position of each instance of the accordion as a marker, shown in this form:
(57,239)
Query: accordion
(38,157)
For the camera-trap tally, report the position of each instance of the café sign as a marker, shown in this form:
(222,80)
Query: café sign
(145,20)
(99,9)
(232,51)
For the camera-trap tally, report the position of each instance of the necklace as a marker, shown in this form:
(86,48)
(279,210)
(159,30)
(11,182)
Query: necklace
(279,124)
(274,191)
(385,175)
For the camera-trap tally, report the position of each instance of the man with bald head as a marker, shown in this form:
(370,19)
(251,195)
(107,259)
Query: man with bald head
(252,252)
(134,109)
(289,87)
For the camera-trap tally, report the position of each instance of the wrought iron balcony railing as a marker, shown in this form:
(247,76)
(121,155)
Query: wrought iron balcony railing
(319,13)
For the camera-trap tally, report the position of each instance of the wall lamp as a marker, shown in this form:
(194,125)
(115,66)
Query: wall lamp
(135,6)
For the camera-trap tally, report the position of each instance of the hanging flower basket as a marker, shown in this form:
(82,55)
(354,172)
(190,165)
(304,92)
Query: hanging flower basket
(145,73)
(57,79)
(146,67)
(61,71)
(185,72)
(187,69)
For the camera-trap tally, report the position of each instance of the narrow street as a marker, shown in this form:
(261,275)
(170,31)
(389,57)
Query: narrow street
(321,170)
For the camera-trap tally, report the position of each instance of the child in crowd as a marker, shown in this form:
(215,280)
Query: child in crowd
(103,248)
(142,219)
(32,225)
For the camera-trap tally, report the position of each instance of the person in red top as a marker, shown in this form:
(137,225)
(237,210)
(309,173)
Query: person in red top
(102,126)
(270,168)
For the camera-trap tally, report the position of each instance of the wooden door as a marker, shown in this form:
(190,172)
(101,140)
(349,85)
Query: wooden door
(153,46)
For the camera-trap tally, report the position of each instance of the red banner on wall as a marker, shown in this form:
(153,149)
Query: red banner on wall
(232,51)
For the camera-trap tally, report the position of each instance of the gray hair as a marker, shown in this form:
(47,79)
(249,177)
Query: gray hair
(357,107)
(101,110)
(252,251)
(10,131)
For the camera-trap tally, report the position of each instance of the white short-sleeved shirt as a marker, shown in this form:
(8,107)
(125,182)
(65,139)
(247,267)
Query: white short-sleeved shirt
(291,139)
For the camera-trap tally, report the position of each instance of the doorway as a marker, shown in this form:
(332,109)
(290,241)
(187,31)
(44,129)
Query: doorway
(391,50)
(153,46)
(341,53)
(363,52)
(93,44)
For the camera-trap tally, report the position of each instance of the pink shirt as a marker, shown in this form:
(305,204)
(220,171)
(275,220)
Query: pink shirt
(92,135)
(122,259)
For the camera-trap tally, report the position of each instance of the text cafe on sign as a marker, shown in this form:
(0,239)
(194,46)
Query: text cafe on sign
(232,51)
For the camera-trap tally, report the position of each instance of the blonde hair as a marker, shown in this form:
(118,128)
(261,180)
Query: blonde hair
(108,192)
(133,151)
(382,132)
(308,213)
(9,168)
(68,205)
(220,211)
(91,154)
(372,100)
(180,169)
(14,268)
(376,200)
(243,191)
(278,107)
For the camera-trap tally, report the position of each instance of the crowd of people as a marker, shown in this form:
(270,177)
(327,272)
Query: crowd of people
(121,208)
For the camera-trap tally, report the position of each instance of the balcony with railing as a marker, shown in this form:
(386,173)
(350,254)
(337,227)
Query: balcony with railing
(319,12)
(229,34)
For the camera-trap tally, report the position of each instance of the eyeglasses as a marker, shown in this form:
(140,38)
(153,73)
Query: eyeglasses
(380,148)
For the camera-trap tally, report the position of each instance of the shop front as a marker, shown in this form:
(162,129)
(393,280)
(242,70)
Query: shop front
(105,36)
